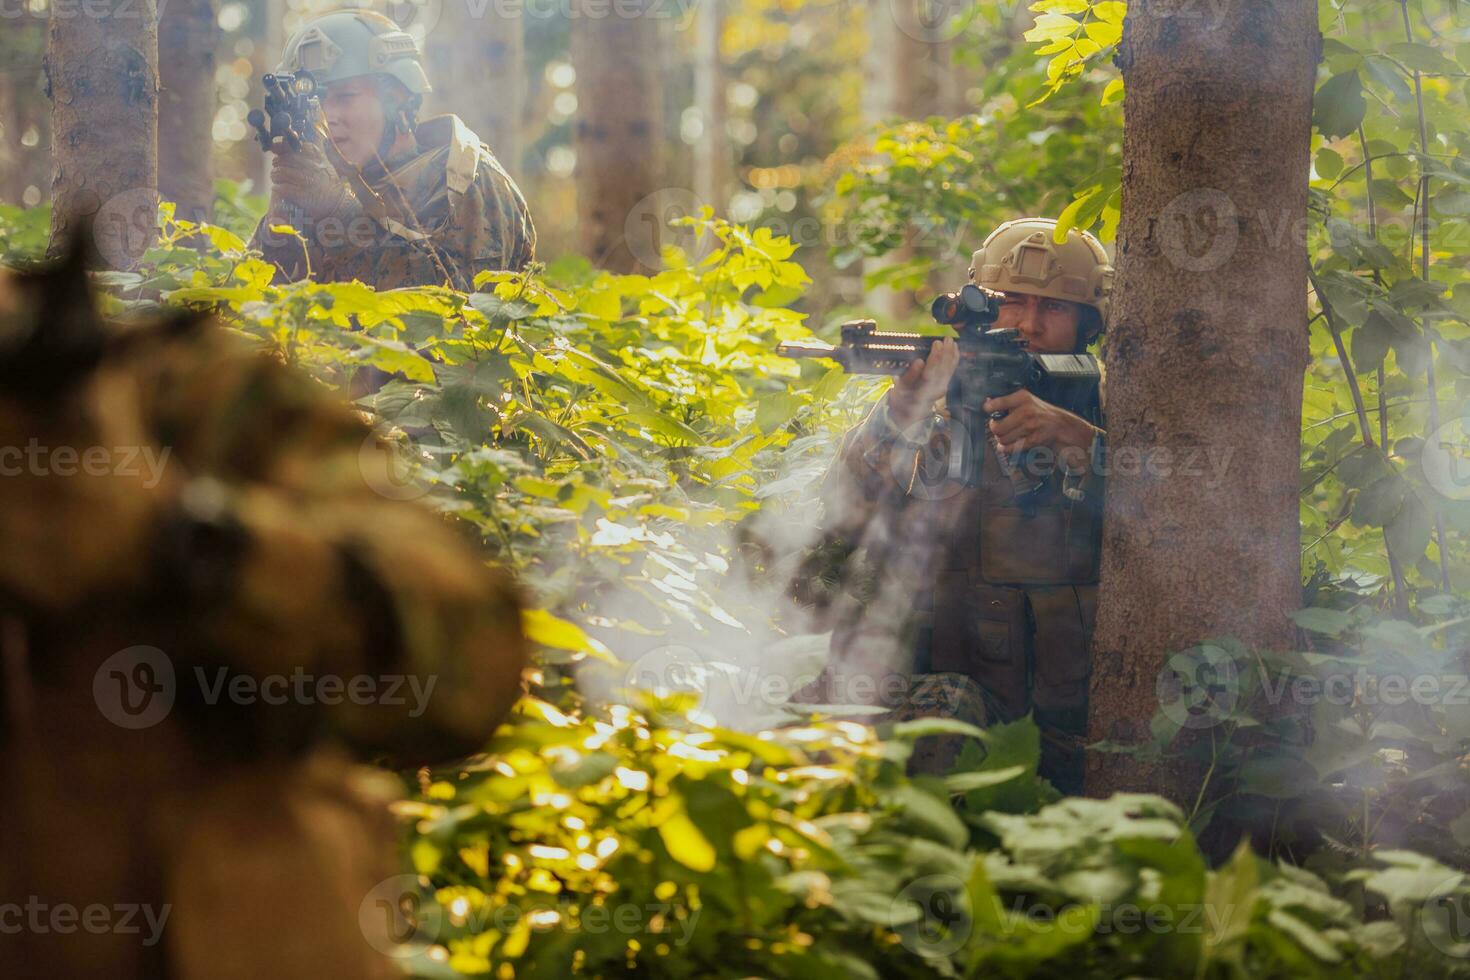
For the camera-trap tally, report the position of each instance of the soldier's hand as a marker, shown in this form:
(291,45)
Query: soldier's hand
(306,178)
(1030,421)
(925,382)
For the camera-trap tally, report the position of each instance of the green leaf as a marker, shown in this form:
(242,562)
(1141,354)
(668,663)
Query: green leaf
(1329,163)
(685,843)
(1330,622)
(552,631)
(1423,58)
(1408,532)
(1339,105)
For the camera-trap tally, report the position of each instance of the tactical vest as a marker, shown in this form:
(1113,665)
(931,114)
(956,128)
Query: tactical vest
(1013,601)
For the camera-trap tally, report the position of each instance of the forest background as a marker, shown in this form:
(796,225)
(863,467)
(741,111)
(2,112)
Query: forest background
(617,428)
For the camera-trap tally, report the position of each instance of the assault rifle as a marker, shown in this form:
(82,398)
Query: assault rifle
(993,363)
(292,116)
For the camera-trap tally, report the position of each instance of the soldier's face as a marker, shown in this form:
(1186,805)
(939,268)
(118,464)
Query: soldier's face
(1049,326)
(355,119)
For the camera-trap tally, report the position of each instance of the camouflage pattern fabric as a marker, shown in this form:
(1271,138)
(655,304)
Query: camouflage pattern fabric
(960,580)
(225,528)
(947,695)
(439,215)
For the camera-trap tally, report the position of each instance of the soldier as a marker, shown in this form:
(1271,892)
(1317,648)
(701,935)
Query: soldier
(986,600)
(206,610)
(386,199)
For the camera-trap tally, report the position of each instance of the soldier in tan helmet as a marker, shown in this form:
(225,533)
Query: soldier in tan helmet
(986,604)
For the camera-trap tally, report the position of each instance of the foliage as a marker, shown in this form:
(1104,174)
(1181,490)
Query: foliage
(602,435)
(940,185)
(1392,121)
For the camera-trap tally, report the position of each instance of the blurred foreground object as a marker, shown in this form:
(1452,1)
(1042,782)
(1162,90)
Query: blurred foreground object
(209,604)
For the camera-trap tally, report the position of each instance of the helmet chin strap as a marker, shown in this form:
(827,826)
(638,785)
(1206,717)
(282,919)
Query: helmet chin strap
(401,120)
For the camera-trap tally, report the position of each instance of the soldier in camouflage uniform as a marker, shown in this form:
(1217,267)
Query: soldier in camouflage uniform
(987,604)
(164,488)
(387,200)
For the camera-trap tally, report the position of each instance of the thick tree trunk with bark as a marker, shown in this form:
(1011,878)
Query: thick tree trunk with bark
(102,67)
(187,35)
(1206,354)
(618,136)
(478,63)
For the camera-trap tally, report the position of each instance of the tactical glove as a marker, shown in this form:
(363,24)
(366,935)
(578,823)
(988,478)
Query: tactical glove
(307,179)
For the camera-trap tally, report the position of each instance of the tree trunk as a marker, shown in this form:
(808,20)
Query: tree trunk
(23,164)
(1206,354)
(618,136)
(712,152)
(187,34)
(102,66)
(479,73)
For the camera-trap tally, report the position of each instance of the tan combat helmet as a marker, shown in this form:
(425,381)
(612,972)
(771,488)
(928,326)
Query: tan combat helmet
(1022,257)
(350,43)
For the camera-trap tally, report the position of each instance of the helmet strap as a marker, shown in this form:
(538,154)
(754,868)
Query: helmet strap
(401,113)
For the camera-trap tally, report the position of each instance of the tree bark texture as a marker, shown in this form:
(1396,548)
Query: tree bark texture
(1206,353)
(188,33)
(618,136)
(102,68)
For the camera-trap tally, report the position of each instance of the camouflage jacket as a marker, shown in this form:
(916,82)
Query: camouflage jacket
(956,581)
(209,600)
(439,215)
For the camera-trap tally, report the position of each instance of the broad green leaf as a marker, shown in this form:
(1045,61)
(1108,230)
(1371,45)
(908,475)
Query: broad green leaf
(1339,105)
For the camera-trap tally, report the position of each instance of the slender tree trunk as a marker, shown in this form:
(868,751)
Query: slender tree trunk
(478,64)
(1206,354)
(712,152)
(22,109)
(188,33)
(618,135)
(102,66)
